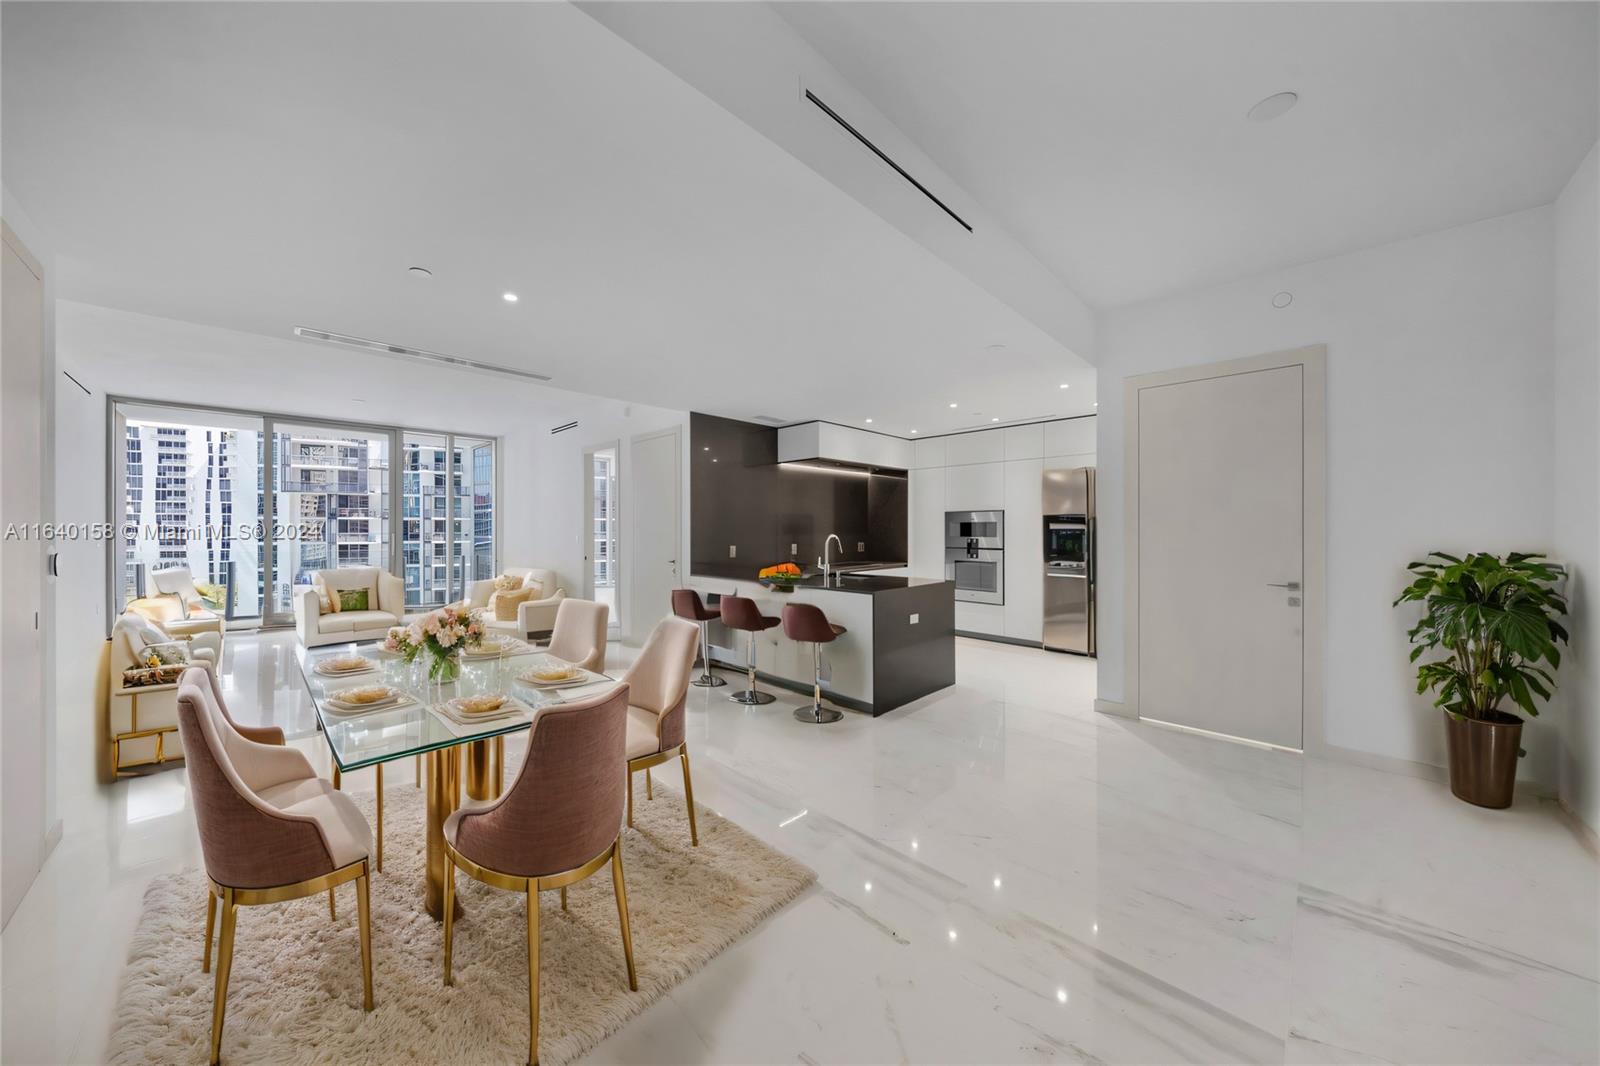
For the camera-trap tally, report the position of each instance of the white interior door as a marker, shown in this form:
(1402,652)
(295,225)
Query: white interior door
(655,496)
(22,738)
(1220,546)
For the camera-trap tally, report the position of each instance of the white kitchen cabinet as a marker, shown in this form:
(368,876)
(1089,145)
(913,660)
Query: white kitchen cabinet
(1024,607)
(1072,436)
(929,453)
(988,619)
(987,446)
(1025,442)
(926,522)
(975,487)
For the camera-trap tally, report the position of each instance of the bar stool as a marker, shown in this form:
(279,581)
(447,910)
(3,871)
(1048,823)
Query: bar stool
(807,624)
(741,613)
(686,604)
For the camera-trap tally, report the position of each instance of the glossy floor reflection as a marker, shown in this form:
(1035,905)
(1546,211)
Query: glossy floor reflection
(1004,876)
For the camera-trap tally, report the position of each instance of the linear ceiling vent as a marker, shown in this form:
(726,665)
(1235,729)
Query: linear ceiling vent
(403,352)
(881,154)
(563,427)
(769,420)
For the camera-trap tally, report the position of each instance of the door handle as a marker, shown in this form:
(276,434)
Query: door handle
(1283,584)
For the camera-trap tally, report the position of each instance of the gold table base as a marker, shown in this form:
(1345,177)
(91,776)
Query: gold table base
(485,780)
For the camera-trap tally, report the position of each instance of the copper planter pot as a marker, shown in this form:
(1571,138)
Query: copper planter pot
(1483,757)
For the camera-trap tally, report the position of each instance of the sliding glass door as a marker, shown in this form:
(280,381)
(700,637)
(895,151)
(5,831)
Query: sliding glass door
(330,505)
(472,540)
(424,522)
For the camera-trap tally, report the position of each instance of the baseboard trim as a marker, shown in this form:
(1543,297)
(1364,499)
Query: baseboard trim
(995,638)
(1581,829)
(1115,708)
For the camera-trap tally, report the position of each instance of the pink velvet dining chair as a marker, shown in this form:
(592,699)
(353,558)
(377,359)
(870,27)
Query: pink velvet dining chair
(271,830)
(559,822)
(658,689)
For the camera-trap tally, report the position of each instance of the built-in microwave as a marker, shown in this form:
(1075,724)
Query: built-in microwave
(979,574)
(975,529)
(1066,541)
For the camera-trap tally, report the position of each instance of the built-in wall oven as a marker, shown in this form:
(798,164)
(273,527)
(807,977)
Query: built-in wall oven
(974,555)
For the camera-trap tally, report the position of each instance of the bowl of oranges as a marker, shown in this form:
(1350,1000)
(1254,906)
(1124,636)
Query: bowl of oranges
(780,578)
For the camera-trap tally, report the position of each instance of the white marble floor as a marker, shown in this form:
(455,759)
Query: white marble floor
(1004,876)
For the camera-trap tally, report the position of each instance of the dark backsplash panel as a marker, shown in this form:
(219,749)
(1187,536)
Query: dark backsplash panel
(739,495)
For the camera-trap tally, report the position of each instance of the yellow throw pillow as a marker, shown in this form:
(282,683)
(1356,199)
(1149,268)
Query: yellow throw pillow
(507,583)
(504,604)
(325,602)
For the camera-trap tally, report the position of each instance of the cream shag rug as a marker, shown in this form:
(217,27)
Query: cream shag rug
(295,992)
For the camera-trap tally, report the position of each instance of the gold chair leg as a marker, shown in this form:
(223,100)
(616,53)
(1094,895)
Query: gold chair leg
(449,916)
(416,762)
(378,843)
(211,921)
(688,796)
(630,799)
(333,913)
(533,972)
(649,790)
(364,911)
(622,911)
(338,778)
(563,897)
(219,1002)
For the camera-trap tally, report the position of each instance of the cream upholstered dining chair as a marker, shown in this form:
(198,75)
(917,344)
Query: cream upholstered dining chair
(658,688)
(579,636)
(270,831)
(559,822)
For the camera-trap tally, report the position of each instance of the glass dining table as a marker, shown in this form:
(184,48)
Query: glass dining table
(419,725)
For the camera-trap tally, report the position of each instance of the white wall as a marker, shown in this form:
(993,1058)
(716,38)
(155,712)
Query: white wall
(1577,479)
(1439,381)
(28,845)
(994,469)
(551,531)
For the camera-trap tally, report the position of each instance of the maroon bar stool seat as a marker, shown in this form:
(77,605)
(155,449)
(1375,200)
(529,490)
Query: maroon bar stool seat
(805,623)
(686,604)
(741,613)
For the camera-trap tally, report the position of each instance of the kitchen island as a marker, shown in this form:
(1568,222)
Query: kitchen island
(899,643)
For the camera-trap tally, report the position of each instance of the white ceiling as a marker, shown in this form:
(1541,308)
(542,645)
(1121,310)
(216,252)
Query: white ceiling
(259,167)
(1111,138)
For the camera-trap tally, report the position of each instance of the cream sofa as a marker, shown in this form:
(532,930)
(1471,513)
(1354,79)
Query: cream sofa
(535,618)
(141,721)
(386,599)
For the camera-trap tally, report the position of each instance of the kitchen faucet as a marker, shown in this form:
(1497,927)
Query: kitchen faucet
(827,557)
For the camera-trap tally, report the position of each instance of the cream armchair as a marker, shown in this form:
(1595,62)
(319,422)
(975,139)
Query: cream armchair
(386,606)
(176,615)
(535,617)
(141,721)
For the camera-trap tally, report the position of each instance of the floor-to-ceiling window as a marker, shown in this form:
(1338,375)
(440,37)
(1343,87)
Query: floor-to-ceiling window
(187,493)
(603,522)
(254,504)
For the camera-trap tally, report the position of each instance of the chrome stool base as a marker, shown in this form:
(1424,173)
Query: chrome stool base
(751,698)
(816,714)
(708,680)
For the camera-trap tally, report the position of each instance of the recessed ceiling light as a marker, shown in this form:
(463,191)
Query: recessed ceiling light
(1273,106)
(1283,299)
(994,419)
(1065,385)
(509,297)
(419,272)
(869,421)
(1097,403)
(952,406)
(913,431)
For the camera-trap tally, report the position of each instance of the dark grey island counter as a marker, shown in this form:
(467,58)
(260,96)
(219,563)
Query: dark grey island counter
(899,643)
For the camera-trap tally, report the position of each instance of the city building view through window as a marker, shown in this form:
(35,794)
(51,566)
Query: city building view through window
(197,490)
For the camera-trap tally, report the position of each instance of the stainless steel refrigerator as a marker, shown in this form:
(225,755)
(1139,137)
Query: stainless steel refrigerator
(1069,560)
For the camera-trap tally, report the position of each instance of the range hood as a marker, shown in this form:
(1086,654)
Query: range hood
(827,444)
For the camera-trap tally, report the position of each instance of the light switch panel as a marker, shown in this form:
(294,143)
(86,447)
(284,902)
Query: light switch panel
(915,619)
(861,545)
(733,551)
(794,549)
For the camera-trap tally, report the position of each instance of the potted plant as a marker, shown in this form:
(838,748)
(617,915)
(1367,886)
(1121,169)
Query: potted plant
(1495,621)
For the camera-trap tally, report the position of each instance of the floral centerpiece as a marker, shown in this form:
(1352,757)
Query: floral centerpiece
(440,635)
(781,578)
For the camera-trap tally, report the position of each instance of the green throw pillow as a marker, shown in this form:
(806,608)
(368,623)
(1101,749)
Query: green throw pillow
(353,599)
